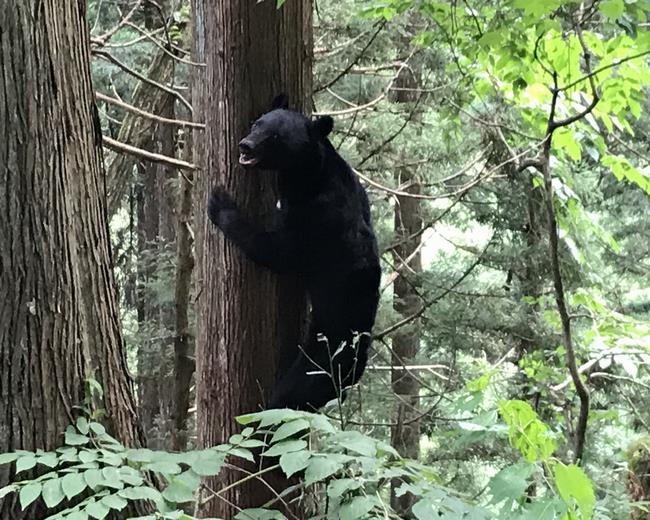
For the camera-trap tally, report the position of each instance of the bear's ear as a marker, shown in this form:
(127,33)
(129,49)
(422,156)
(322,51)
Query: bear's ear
(322,126)
(280,101)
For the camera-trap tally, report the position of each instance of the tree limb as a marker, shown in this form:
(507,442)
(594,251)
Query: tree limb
(147,115)
(119,147)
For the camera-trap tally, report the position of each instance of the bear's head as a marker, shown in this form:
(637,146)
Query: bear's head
(283,139)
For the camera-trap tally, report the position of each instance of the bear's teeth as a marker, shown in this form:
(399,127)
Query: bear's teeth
(247,160)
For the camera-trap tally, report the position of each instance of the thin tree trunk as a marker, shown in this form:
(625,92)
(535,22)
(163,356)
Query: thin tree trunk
(405,432)
(59,318)
(155,224)
(183,340)
(247,318)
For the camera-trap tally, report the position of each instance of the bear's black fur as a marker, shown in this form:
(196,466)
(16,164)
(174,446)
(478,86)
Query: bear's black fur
(325,235)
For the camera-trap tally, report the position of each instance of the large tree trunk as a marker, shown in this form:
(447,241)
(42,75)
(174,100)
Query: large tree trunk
(247,318)
(58,312)
(405,432)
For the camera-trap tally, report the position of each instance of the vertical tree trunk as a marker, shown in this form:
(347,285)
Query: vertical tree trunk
(405,432)
(58,311)
(155,232)
(183,339)
(246,315)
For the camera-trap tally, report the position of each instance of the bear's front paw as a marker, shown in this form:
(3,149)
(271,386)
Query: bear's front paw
(221,207)
(221,200)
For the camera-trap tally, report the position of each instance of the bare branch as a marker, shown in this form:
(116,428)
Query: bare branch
(119,147)
(147,115)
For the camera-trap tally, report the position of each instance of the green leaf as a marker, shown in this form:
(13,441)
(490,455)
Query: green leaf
(164,467)
(94,478)
(295,461)
(574,485)
(49,459)
(285,447)
(178,492)
(271,417)
(338,487)
(97,510)
(141,455)
(190,479)
(82,425)
(29,493)
(52,492)
(357,508)
(490,39)
(252,443)
(72,438)
(526,432)
(130,476)
(112,478)
(510,483)
(25,463)
(97,428)
(279,3)
(259,514)
(73,484)
(538,8)
(355,441)
(612,9)
(114,502)
(6,458)
(565,139)
(207,466)
(544,509)
(88,456)
(321,467)
(140,493)
(244,454)
(289,429)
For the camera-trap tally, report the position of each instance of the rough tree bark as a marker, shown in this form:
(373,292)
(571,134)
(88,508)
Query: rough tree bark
(405,431)
(58,311)
(248,319)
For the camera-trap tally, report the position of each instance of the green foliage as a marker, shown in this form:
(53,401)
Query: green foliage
(526,432)
(95,474)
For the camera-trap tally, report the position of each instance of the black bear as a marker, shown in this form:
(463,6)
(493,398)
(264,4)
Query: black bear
(324,235)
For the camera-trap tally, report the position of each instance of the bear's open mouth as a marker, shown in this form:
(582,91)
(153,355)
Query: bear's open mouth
(247,159)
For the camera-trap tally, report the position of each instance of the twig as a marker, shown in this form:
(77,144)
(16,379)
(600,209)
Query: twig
(352,63)
(109,57)
(150,37)
(103,38)
(435,299)
(615,63)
